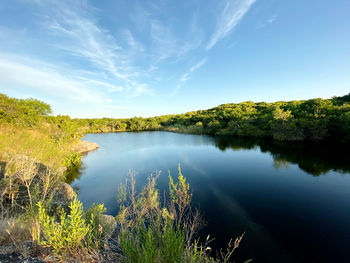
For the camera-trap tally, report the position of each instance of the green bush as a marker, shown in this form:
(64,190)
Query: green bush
(69,233)
(99,231)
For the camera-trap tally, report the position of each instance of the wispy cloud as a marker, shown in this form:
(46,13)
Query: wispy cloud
(142,89)
(166,44)
(80,36)
(186,76)
(111,87)
(231,15)
(131,42)
(268,21)
(196,66)
(27,74)
(77,33)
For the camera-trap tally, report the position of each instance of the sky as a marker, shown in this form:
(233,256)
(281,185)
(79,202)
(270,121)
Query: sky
(126,58)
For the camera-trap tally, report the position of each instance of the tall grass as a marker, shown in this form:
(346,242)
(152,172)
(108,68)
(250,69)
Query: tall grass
(38,143)
(151,231)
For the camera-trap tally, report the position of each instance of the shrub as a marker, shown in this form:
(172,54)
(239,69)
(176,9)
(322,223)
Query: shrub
(67,234)
(73,161)
(24,183)
(99,231)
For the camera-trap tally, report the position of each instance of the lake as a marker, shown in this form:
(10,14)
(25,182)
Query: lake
(291,199)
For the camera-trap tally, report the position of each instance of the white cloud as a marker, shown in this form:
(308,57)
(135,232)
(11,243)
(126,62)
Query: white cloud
(167,45)
(268,21)
(34,75)
(186,76)
(111,87)
(81,37)
(141,89)
(132,43)
(77,33)
(231,15)
(164,43)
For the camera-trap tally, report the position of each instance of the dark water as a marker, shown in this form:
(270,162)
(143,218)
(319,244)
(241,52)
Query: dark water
(291,199)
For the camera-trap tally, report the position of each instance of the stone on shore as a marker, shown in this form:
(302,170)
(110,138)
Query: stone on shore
(84,146)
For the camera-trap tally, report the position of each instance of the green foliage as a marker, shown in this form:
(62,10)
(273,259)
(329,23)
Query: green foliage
(151,232)
(180,192)
(35,106)
(153,244)
(99,231)
(341,100)
(315,119)
(19,112)
(67,234)
(72,162)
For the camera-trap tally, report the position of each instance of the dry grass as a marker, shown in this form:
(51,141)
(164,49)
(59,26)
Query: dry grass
(38,143)
(16,236)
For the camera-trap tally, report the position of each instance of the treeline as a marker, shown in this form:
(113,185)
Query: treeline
(314,119)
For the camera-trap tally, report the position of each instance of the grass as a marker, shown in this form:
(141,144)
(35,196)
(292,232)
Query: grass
(37,143)
(152,231)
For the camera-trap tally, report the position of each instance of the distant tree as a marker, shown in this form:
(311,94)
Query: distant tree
(36,106)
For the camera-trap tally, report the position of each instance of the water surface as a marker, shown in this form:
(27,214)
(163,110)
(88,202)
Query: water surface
(291,199)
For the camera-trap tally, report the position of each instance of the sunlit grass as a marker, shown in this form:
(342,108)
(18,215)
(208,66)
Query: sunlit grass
(37,143)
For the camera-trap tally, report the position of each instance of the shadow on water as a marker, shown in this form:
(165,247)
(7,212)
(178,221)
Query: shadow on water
(314,158)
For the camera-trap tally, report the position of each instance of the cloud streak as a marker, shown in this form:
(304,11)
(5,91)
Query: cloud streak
(268,21)
(231,15)
(186,76)
(79,35)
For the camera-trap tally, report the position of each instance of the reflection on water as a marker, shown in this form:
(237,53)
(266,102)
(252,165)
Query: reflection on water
(313,158)
(270,190)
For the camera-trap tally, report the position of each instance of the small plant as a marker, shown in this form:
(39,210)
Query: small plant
(73,161)
(180,193)
(98,231)
(67,234)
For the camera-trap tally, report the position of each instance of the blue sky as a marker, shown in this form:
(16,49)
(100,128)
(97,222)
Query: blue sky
(130,58)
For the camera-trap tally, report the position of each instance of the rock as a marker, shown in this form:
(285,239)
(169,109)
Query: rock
(108,223)
(108,220)
(84,147)
(17,257)
(64,193)
(62,196)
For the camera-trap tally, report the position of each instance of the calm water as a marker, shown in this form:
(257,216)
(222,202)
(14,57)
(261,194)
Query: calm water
(291,199)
